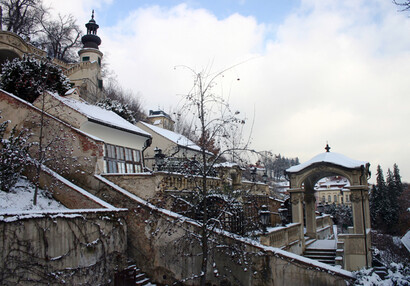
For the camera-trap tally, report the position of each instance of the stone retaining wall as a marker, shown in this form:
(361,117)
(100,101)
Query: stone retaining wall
(54,248)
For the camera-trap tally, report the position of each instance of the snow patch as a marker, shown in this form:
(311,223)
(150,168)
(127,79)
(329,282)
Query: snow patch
(20,198)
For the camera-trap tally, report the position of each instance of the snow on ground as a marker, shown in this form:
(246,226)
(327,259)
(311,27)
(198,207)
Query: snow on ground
(20,198)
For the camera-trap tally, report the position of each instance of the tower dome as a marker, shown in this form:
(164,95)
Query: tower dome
(91,40)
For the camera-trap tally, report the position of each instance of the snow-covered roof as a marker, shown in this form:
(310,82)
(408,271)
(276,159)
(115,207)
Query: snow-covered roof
(101,115)
(329,157)
(226,165)
(178,139)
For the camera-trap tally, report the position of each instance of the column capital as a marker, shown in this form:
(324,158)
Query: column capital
(296,198)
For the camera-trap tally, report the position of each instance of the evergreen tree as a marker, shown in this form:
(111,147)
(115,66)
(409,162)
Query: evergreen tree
(376,199)
(391,213)
(385,200)
(27,78)
(397,180)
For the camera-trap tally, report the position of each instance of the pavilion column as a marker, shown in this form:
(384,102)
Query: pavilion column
(310,209)
(296,198)
(360,209)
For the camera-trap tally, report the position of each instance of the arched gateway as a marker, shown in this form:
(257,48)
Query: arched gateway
(303,178)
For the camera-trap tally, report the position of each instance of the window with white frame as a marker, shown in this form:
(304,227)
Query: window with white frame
(119,159)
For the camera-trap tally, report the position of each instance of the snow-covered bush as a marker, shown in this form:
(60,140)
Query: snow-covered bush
(27,78)
(13,156)
(119,108)
(398,275)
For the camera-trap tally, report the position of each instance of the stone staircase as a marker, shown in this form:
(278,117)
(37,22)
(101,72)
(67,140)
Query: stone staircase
(132,276)
(322,251)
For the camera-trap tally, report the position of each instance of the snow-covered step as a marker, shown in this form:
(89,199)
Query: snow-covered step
(322,250)
(132,275)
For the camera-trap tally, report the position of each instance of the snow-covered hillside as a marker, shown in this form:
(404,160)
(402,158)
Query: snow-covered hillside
(20,198)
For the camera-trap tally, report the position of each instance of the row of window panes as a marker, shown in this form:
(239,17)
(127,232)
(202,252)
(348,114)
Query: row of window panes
(121,167)
(122,160)
(122,153)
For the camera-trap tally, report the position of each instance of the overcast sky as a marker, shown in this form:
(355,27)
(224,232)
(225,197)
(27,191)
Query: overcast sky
(313,71)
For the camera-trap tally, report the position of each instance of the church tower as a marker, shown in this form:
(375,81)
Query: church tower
(91,41)
(87,74)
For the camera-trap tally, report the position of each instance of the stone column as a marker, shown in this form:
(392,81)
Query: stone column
(296,198)
(360,209)
(310,208)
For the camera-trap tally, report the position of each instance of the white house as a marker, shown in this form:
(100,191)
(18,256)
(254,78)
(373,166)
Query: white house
(124,143)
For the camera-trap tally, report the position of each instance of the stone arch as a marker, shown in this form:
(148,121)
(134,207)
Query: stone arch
(302,181)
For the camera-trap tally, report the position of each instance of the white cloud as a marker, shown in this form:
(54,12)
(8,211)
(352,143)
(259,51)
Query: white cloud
(335,70)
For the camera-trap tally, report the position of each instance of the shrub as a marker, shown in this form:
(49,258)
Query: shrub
(13,156)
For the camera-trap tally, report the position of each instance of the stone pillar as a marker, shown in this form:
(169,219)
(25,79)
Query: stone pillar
(360,209)
(296,198)
(310,208)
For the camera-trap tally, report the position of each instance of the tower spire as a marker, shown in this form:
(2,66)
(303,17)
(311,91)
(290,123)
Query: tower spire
(91,40)
(327,148)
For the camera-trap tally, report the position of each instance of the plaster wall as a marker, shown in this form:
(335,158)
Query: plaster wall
(114,136)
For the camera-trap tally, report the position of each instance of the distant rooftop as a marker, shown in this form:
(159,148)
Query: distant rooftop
(157,113)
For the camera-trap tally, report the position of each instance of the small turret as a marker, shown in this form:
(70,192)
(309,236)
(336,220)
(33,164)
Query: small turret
(91,40)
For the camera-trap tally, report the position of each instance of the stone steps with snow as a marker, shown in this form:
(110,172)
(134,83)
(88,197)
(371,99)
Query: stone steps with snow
(132,275)
(322,251)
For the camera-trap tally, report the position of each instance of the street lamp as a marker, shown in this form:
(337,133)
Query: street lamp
(283,214)
(253,174)
(265,177)
(320,208)
(159,158)
(264,215)
(327,208)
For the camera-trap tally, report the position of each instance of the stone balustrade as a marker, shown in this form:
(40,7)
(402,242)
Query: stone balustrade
(287,237)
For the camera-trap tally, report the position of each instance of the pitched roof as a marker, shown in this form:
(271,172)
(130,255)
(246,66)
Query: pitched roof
(328,157)
(102,116)
(177,138)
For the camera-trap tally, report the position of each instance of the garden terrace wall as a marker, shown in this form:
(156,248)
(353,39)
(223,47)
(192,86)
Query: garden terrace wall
(162,244)
(148,185)
(64,247)
(68,194)
(85,152)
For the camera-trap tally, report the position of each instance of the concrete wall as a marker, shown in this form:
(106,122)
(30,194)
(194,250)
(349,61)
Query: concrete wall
(77,248)
(167,249)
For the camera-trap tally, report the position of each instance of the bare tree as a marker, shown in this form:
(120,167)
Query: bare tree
(404,4)
(60,37)
(22,16)
(213,122)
